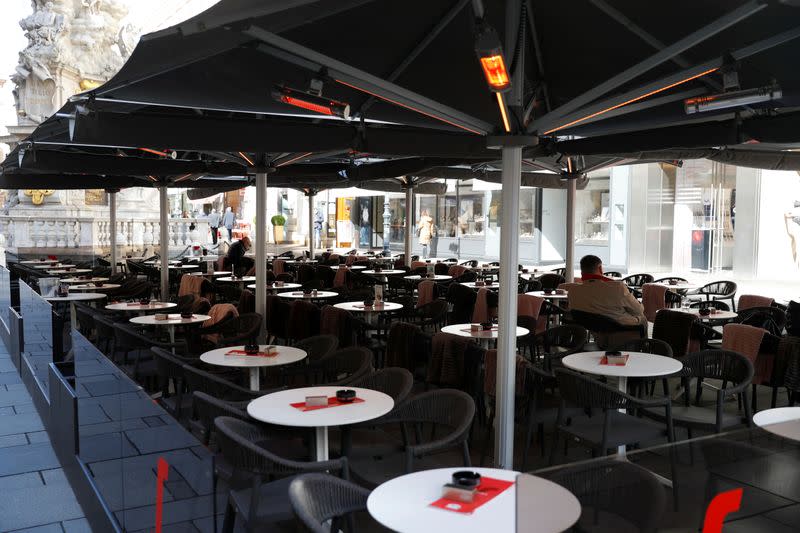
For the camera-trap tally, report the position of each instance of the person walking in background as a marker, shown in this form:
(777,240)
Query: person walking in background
(213,222)
(425,231)
(228,220)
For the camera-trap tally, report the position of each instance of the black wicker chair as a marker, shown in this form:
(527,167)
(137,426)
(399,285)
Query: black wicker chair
(321,501)
(612,428)
(241,445)
(719,291)
(551,280)
(736,373)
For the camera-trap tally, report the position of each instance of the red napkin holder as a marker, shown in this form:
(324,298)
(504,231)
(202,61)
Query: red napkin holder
(333,401)
(604,361)
(488,490)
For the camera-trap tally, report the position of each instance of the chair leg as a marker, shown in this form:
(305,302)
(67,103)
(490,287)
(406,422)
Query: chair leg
(755,399)
(230,518)
(488,435)
(774,397)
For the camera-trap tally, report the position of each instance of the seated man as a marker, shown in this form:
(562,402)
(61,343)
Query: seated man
(239,263)
(600,295)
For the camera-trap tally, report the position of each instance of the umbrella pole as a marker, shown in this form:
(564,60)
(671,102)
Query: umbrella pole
(570,252)
(261,250)
(163,229)
(112,205)
(311,195)
(409,222)
(507,308)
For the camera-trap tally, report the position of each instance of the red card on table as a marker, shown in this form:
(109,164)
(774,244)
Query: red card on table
(489,489)
(332,402)
(604,361)
(257,354)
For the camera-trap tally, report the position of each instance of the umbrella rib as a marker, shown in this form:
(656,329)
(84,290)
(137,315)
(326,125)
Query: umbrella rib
(418,49)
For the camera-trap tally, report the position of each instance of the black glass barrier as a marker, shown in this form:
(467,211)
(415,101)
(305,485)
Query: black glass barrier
(37,320)
(123,435)
(5,298)
(752,476)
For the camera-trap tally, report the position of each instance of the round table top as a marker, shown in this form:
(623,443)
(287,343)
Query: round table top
(639,365)
(487,285)
(300,295)
(83,280)
(275,409)
(464,330)
(719,315)
(75,297)
(680,286)
(173,320)
(70,271)
(136,306)
(91,287)
(359,307)
(157,262)
(301,262)
(437,277)
(384,272)
(184,267)
(286,355)
(212,274)
(38,262)
(242,279)
(781,421)
(359,267)
(286,285)
(49,264)
(403,504)
(551,296)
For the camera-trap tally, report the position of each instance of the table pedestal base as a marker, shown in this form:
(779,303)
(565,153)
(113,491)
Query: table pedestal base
(321,444)
(255,382)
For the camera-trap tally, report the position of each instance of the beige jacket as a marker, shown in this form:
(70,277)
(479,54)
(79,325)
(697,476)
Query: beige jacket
(425,226)
(611,299)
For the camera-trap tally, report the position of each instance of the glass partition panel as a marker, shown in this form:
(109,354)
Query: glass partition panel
(37,320)
(5,295)
(670,487)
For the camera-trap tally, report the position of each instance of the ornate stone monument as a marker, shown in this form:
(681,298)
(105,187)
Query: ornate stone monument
(73,46)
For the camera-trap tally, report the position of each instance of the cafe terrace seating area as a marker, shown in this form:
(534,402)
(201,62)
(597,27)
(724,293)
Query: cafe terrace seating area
(644,445)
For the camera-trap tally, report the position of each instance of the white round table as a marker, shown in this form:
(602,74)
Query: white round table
(300,262)
(639,365)
(72,298)
(214,274)
(320,295)
(285,355)
(184,267)
(82,280)
(482,336)
(781,421)
(359,267)
(471,285)
(170,323)
(272,287)
(63,271)
(551,296)
(158,262)
(51,264)
(136,307)
(404,504)
(275,408)
(384,272)
(243,279)
(93,287)
(359,307)
(437,277)
(38,262)
(679,286)
(719,315)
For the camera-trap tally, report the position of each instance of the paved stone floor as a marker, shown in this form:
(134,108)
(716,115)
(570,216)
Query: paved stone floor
(34,493)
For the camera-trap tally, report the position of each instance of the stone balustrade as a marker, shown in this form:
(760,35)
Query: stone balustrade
(21,234)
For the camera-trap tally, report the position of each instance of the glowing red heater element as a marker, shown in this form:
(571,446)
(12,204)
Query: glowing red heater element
(311,102)
(494,68)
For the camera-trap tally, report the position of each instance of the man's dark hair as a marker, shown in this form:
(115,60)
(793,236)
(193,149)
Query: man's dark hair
(589,264)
